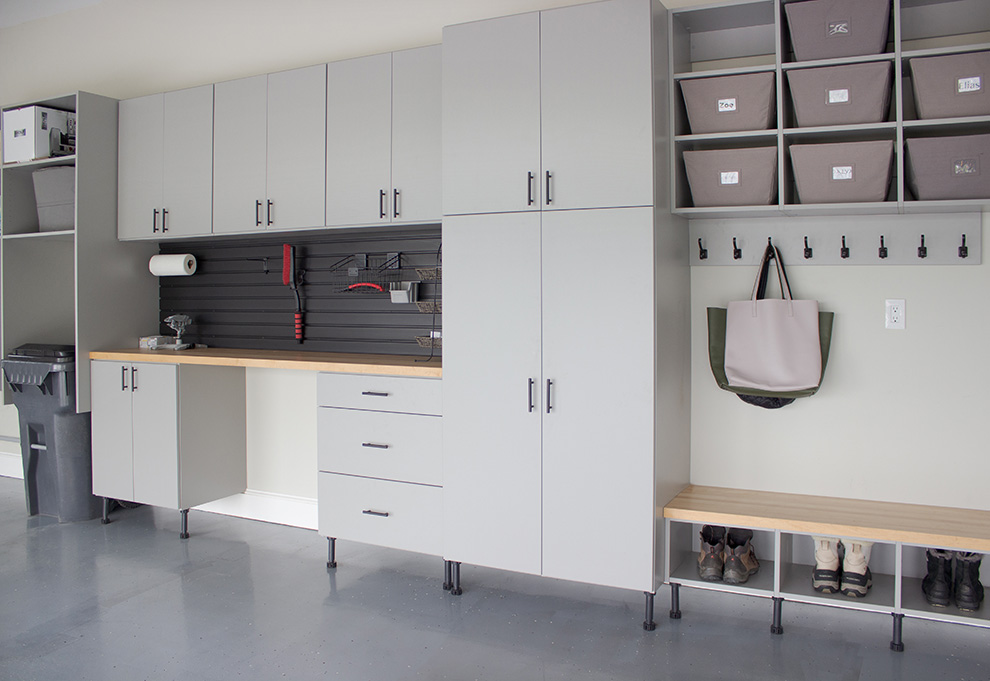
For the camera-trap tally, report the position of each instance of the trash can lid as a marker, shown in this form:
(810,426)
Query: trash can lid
(44,352)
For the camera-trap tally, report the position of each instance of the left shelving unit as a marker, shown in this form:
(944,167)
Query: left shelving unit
(77,286)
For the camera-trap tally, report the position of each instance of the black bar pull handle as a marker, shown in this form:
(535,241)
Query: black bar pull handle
(529,188)
(548,188)
(257,213)
(123,378)
(154,221)
(373,445)
(133,379)
(372,393)
(271,204)
(381,203)
(164,220)
(395,203)
(380,514)
(532,405)
(549,386)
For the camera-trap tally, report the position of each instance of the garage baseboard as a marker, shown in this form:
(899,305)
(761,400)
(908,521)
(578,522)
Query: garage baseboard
(269,507)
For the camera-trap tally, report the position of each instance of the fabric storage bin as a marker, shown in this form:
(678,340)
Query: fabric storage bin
(55,194)
(732,177)
(842,172)
(730,103)
(949,167)
(951,85)
(824,29)
(841,95)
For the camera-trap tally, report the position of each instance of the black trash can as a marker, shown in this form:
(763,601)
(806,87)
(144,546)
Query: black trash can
(55,440)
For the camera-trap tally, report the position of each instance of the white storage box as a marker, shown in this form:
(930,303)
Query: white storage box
(34,132)
(55,194)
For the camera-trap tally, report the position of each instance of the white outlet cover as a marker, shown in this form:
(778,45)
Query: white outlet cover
(895,314)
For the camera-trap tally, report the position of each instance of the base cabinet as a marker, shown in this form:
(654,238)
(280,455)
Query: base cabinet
(167,435)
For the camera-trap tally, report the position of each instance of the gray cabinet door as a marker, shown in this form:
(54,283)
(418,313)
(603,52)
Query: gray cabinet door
(596,105)
(240,155)
(598,350)
(416,131)
(359,133)
(491,116)
(492,391)
(187,198)
(155,434)
(140,154)
(297,134)
(113,470)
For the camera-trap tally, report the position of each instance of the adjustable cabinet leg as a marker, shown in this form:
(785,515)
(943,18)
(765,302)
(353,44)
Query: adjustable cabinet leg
(776,628)
(896,644)
(648,623)
(184,523)
(106,511)
(675,601)
(331,552)
(447,578)
(455,585)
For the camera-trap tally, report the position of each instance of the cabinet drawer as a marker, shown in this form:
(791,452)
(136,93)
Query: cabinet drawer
(403,447)
(379,393)
(396,515)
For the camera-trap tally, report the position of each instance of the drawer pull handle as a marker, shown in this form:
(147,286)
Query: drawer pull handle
(373,445)
(371,393)
(380,514)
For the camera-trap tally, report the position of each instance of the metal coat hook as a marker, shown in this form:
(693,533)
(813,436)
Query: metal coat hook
(844,251)
(263,261)
(922,249)
(963,250)
(703,252)
(808,253)
(882,251)
(736,251)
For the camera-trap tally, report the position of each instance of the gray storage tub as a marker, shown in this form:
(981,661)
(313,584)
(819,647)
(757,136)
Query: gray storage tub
(841,95)
(732,177)
(824,29)
(951,85)
(949,167)
(842,172)
(730,103)
(55,194)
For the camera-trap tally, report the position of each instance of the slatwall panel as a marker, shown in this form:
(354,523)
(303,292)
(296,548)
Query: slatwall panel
(234,303)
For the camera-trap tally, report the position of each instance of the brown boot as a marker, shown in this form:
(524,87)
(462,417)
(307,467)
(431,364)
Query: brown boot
(740,558)
(710,559)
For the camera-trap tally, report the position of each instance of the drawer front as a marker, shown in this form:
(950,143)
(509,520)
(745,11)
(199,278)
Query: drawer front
(404,447)
(396,515)
(379,393)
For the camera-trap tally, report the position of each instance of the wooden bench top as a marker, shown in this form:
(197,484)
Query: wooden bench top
(830,516)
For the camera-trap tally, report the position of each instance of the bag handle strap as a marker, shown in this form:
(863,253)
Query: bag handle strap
(762,276)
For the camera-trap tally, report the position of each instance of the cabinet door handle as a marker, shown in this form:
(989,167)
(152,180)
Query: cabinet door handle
(548,187)
(532,405)
(164,220)
(271,204)
(549,385)
(529,188)
(373,445)
(372,393)
(154,221)
(380,514)
(133,379)
(381,203)
(123,378)
(257,213)
(395,203)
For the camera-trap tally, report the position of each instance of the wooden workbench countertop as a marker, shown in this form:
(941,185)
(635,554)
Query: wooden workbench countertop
(390,365)
(834,517)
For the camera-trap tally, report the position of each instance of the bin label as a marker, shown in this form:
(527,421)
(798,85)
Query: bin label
(970,84)
(729,177)
(840,96)
(842,172)
(726,105)
(966,166)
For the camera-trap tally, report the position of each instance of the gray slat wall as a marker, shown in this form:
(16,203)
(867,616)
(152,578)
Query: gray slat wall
(235,304)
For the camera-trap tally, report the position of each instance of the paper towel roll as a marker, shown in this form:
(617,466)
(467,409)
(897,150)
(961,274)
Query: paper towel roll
(178,265)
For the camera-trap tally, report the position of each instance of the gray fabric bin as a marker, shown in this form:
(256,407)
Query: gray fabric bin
(951,85)
(949,167)
(825,29)
(732,177)
(842,172)
(55,194)
(730,103)
(841,95)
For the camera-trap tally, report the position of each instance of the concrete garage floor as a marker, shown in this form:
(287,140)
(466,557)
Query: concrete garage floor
(249,600)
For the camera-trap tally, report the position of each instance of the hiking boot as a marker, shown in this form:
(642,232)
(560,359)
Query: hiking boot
(968,590)
(710,559)
(740,559)
(937,584)
(825,577)
(856,576)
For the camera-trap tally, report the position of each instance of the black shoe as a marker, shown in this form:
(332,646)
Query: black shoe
(937,585)
(968,590)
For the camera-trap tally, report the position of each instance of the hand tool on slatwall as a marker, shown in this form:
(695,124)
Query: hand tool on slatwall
(291,279)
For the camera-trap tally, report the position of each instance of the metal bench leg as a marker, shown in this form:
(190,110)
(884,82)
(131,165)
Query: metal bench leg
(896,644)
(648,623)
(455,585)
(447,577)
(331,552)
(106,511)
(776,628)
(675,601)
(184,523)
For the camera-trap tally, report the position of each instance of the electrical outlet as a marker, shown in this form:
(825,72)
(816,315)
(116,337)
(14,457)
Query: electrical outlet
(895,314)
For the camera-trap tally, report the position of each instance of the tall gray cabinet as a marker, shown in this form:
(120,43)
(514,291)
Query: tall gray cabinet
(566,333)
